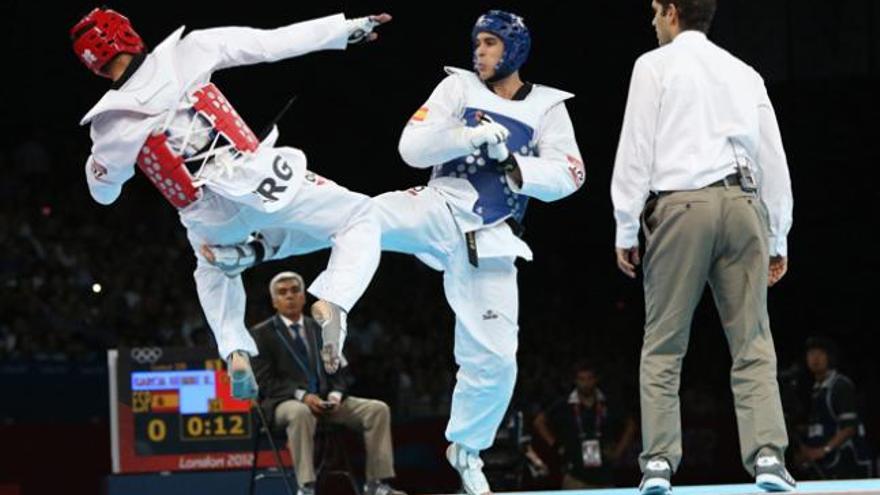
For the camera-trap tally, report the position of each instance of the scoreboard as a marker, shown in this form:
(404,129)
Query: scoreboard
(171,410)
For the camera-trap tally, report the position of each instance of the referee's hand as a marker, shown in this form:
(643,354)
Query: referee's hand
(627,260)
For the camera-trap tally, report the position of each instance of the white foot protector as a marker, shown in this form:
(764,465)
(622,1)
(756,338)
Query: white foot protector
(470,469)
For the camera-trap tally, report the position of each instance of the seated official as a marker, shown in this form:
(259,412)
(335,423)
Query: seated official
(296,393)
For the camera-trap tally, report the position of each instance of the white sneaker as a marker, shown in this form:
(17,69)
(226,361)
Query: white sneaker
(771,475)
(656,478)
(470,469)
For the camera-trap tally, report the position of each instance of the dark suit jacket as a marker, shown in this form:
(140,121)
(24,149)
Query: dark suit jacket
(279,374)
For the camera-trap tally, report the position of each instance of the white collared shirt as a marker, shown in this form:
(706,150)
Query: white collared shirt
(302,326)
(688,101)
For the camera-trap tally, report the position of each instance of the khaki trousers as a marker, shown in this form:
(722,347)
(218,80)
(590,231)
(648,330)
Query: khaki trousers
(717,235)
(372,417)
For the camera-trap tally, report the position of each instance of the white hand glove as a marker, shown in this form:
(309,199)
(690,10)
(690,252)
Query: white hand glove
(361,28)
(487,132)
(499,151)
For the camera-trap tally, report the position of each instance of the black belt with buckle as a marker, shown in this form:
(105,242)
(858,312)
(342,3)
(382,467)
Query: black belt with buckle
(730,180)
(471,240)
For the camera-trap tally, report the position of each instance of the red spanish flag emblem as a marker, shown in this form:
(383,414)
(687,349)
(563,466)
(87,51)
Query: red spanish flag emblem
(165,401)
(420,114)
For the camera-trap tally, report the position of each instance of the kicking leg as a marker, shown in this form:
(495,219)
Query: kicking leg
(223,297)
(223,301)
(325,214)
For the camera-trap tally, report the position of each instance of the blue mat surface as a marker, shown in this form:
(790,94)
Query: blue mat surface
(236,483)
(851,487)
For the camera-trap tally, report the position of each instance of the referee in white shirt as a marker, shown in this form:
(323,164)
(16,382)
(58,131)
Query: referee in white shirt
(701,163)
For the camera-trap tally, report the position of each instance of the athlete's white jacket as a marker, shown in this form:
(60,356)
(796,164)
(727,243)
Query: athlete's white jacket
(124,118)
(542,138)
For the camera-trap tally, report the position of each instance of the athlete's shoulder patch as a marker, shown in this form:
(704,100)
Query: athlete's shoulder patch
(576,169)
(420,115)
(98,170)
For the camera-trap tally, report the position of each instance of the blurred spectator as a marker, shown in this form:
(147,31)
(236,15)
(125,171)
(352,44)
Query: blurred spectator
(589,433)
(835,446)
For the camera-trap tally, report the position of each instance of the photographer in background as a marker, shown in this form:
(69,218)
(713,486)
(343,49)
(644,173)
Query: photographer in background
(589,435)
(834,446)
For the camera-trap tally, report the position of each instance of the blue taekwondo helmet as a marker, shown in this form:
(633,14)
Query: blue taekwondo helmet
(515,35)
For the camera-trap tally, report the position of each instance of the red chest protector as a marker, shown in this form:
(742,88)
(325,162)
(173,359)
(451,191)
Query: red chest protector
(165,166)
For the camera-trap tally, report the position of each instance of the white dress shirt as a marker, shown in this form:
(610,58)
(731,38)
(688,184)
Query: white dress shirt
(689,101)
(302,328)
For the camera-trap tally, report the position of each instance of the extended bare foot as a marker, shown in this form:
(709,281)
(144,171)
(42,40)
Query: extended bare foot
(332,320)
(241,376)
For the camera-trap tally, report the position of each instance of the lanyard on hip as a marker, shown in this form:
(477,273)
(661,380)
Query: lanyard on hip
(296,358)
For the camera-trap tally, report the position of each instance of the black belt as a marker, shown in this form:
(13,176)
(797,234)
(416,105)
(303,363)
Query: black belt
(730,180)
(471,240)
(516,227)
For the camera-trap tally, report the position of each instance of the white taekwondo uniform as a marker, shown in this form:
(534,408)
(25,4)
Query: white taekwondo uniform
(300,210)
(468,193)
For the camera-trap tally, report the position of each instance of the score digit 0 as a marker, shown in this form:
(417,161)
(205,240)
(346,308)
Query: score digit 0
(156,430)
(194,426)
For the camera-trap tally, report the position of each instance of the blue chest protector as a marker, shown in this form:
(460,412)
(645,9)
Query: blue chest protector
(496,200)
(523,118)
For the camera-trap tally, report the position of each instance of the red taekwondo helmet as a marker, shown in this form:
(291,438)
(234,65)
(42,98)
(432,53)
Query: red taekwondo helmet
(101,35)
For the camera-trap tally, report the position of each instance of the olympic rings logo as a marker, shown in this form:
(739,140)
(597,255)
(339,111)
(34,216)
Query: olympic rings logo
(145,355)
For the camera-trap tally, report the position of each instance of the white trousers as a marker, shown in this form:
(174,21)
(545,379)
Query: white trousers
(322,214)
(485,302)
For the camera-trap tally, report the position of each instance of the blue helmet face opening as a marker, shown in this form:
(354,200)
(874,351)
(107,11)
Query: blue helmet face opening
(515,35)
